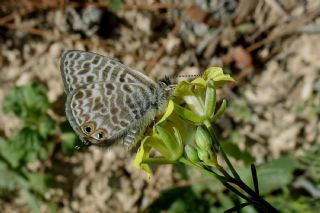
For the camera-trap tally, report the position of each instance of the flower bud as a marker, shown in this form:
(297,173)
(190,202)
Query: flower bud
(204,155)
(173,143)
(208,157)
(220,111)
(203,139)
(210,99)
(191,153)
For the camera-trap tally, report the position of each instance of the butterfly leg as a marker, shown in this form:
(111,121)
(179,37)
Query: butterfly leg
(133,136)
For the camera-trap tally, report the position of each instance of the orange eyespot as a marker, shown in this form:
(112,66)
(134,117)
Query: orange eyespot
(100,134)
(88,128)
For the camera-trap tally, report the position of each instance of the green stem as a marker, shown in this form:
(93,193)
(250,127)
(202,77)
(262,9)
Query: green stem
(222,179)
(158,160)
(255,199)
(216,141)
(259,202)
(203,170)
(255,178)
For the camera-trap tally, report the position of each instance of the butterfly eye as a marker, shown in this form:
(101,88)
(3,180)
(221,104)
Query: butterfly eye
(88,128)
(100,135)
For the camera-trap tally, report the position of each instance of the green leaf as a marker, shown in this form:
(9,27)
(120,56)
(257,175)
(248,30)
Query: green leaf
(26,146)
(46,126)
(33,201)
(38,182)
(273,175)
(310,163)
(233,150)
(28,101)
(10,180)
(116,5)
(179,200)
(69,140)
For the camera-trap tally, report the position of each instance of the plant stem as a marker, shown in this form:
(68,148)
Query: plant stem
(158,160)
(255,199)
(216,141)
(201,169)
(222,179)
(259,201)
(255,178)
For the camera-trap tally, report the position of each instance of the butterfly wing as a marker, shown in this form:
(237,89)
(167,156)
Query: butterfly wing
(103,112)
(80,67)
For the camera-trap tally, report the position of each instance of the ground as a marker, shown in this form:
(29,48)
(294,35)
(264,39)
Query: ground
(270,47)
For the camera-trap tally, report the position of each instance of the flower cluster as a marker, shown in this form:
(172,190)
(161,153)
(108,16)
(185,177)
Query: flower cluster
(180,133)
(185,134)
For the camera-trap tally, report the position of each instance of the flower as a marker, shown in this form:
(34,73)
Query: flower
(194,104)
(200,96)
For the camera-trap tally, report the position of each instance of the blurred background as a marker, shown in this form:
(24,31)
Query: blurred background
(271,47)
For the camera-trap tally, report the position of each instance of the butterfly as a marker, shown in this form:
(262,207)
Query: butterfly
(107,101)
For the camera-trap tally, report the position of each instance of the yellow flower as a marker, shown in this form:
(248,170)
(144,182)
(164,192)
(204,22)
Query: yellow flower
(194,102)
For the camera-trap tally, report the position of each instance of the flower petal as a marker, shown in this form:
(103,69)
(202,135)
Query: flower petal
(142,153)
(216,74)
(168,112)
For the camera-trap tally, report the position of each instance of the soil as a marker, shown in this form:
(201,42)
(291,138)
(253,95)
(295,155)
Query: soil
(270,48)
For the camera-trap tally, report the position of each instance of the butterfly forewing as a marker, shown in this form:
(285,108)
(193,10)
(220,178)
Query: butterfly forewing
(80,67)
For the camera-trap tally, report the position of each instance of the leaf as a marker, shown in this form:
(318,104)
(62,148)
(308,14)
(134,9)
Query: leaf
(116,5)
(69,140)
(310,163)
(38,182)
(27,101)
(179,200)
(26,146)
(32,200)
(10,180)
(234,151)
(46,126)
(272,175)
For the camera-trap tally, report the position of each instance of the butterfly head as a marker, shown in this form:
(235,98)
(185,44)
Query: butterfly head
(166,84)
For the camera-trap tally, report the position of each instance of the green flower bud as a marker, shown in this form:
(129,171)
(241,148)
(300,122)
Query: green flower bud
(191,153)
(220,111)
(203,139)
(208,157)
(173,143)
(204,155)
(210,100)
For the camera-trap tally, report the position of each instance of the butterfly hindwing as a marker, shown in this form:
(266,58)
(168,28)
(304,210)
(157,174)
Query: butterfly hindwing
(109,108)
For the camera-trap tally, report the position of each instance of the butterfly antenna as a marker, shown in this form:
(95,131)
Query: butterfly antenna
(181,76)
(185,76)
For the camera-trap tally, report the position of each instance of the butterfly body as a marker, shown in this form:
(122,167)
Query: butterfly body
(108,101)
